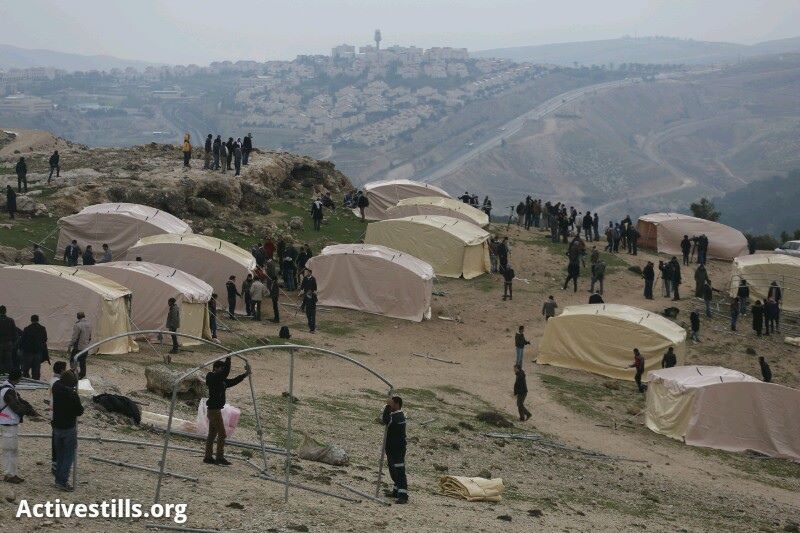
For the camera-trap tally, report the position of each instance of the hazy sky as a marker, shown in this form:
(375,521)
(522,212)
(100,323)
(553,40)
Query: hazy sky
(201,31)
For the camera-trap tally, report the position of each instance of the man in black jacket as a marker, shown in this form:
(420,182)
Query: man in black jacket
(229,158)
(34,348)
(521,391)
(54,165)
(573,271)
(395,421)
(71,253)
(215,152)
(230,286)
(669,360)
(247,147)
(8,341)
(649,275)
(217,382)
(208,148)
(686,247)
(67,408)
(508,279)
(274,293)
(766,371)
(676,278)
(22,175)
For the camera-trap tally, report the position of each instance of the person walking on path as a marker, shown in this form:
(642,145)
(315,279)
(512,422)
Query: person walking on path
(187,150)
(598,275)
(11,202)
(173,322)
(395,421)
(67,408)
(520,342)
(521,392)
(758,317)
(22,175)
(217,382)
(12,411)
(55,164)
(508,280)
(549,308)
(638,365)
(573,271)
(81,339)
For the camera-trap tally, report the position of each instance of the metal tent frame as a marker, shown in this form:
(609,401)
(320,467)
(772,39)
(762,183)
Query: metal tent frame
(240,354)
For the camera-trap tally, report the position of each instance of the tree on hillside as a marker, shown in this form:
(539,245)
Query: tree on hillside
(705,209)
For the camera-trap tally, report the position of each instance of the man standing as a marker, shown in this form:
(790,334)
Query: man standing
(587,225)
(107,256)
(81,339)
(708,295)
(316,214)
(34,348)
(776,294)
(686,247)
(54,165)
(310,306)
(520,342)
(237,157)
(187,150)
(229,152)
(38,255)
(598,275)
(675,272)
(766,371)
(71,253)
(521,391)
(632,237)
(362,203)
(758,317)
(230,286)
(11,201)
(22,175)
(638,364)
(12,410)
(549,308)
(207,150)
(215,151)
(247,147)
(743,293)
(770,315)
(700,278)
(274,294)
(217,382)
(669,360)
(694,321)
(502,254)
(66,410)
(173,322)
(649,275)
(8,341)
(256,294)
(88,256)
(596,226)
(702,249)
(508,279)
(395,421)
(247,284)
(212,315)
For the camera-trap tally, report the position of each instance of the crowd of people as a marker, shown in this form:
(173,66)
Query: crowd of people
(219,154)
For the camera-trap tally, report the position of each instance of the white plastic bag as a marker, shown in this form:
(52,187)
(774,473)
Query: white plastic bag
(230,418)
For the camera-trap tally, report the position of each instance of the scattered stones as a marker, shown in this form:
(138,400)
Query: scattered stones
(536,513)
(493,418)
(504,517)
(297,527)
(296,223)
(750,351)
(440,468)
(235,505)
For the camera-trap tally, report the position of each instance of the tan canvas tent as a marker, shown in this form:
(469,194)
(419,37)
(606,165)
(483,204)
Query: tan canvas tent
(664,231)
(212,260)
(374,279)
(57,293)
(715,407)
(452,247)
(759,270)
(436,205)
(600,338)
(385,194)
(152,285)
(119,225)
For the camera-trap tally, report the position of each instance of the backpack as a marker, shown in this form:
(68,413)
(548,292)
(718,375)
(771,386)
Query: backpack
(284,333)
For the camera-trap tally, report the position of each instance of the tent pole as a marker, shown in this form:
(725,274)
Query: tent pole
(167,434)
(290,406)
(259,429)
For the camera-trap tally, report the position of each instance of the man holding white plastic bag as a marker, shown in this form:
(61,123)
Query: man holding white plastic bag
(217,382)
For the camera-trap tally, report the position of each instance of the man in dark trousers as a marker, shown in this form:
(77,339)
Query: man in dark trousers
(743,293)
(676,278)
(173,322)
(11,201)
(694,321)
(215,152)
(230,286)
(770,315)
(708,296)
(362,203)
(247,147)
(316,214)
(638,364)
(229,152)
(702,249)
(758,317)
(67,408)
(686,248)
(669,360)
(502,254)
(310,306)
(776,294)
(521,391)
(649,275)
(274,294)
(217,382)
(71,253)
(247,284)
(520,342)
(34,348)
(38,255)
(55,164)
(395,421)
(8,341)
(207,152)
(12,410)
(508,279)
(573,271)
(766,371)
(22,175)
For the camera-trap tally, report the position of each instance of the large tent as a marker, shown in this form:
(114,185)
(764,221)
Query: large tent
(119,225)
(760,270)
(600,338)
(374,279)
(436,205)
(57,294)
(212,260)
(664,232)
(152,285)
(715,407)
(385,194)
(452,247)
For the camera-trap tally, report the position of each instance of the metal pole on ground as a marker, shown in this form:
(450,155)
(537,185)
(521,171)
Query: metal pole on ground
(288,464)
(162,464)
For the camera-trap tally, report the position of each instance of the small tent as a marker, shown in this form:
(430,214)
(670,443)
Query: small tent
(119,225)
(664,232)
(600,338)
(715,407)
(385,194)
(437,205)
(57,294)
(212,260)
(760,270)
(374,279)
(152,285)
(452,247)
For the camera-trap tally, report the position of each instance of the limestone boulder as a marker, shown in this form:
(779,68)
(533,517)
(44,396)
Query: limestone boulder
(161,378)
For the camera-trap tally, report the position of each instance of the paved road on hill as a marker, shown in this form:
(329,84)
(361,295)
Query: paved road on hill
(514,126)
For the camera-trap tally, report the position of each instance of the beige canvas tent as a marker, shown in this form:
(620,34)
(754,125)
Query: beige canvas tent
(385,194)
(759,270)
(58,293)
(664,231)
(119,225)
(715,407)
(436,205)
(212,260)
(600,338)
(152,285)
(374,279)
(452,247)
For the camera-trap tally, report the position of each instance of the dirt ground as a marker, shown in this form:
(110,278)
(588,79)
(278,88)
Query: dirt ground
(644,481)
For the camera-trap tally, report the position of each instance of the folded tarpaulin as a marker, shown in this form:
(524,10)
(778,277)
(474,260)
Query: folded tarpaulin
(472,489)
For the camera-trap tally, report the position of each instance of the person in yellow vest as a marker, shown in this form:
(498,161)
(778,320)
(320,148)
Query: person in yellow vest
(187,149)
